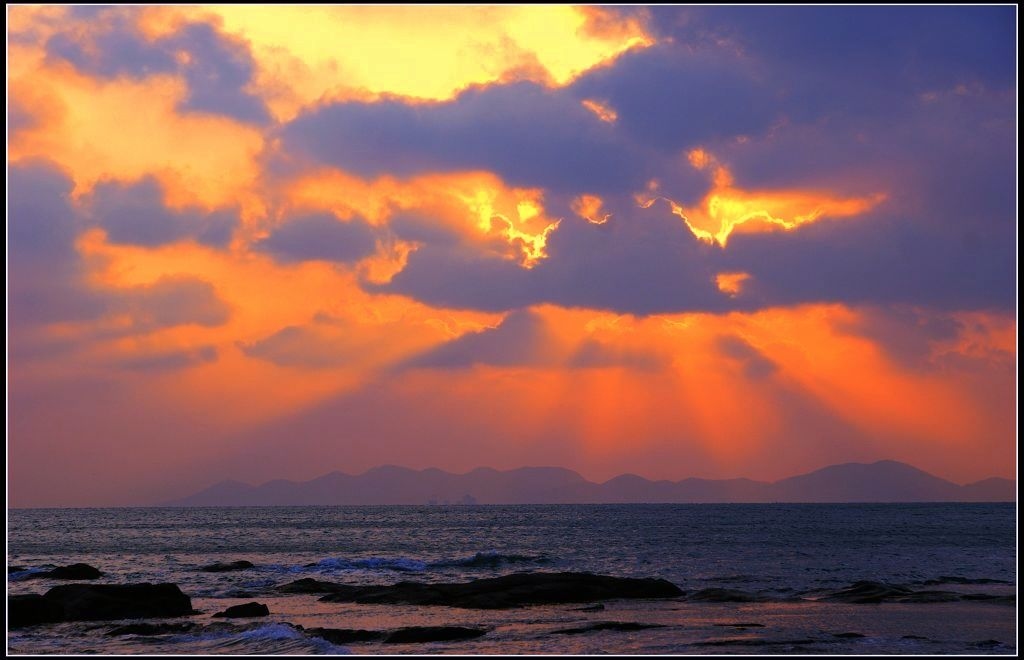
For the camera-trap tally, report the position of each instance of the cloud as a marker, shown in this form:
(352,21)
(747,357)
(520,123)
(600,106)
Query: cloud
(216,68)
(526,133)
(307,347)
(642,261)
(755,365)
(44,269)
(172,301)
(136,214)
(48,279)
(168,360)
(670,98)
(320,237)
(520,340)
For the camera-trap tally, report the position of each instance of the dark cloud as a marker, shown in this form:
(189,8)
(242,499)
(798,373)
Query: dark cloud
(878,259)
(134,213)
(216,68)
(304,346)
(47,277)
(168,360)
(320,237)
(44,269)
(671,98)
(174,301)
(642,261)
(527,134)
(521,339)
(755,365)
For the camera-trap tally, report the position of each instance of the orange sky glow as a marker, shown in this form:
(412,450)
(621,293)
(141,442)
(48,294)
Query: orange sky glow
(192,285)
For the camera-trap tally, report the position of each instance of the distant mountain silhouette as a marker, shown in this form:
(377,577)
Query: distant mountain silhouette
(884,481)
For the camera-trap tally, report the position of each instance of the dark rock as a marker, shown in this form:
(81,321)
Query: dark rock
(515,590)
(239,593)
(31,610)
(918,637)
(16,569)
(243,611)
(987,644)
(223,568)
(623,626)
(72,572)
(148,629)
(738,625)
(591,608)
(757,642)
(848,635)
(98,602)
(424,634)
(311,586)
(345,635)
(724,596)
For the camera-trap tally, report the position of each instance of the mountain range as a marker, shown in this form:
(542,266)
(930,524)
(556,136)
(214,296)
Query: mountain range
(883,481)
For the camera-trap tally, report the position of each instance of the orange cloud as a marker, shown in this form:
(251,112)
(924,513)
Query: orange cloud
(603,111)
(308,53)
(125,129)
(588,207)
(731,284)
(727,208)
(477,206)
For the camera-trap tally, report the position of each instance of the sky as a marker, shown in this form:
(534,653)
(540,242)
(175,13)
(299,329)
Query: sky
(272,242)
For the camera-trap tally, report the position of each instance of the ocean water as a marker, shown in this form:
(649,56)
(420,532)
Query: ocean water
(788,555)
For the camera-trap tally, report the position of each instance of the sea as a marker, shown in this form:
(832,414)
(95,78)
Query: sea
(787,557)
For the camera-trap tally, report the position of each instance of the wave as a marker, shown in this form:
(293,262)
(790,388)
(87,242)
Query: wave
(17,576)
(491,560)
(262,638)
(485,559)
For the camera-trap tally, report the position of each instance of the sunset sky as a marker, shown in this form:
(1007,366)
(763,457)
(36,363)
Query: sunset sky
(271,242)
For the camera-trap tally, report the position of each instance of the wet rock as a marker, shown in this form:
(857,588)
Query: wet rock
(311,586)
(220,567)
(243,611)
(149,629)
(917,637)
(424,634)
(31,610)
(623,626)
(345,635)
(724,596)
(847,635)
(223,567)
(72,572)
(99,602)
(239,593)
(16,569)
(757,642)
(515,590)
